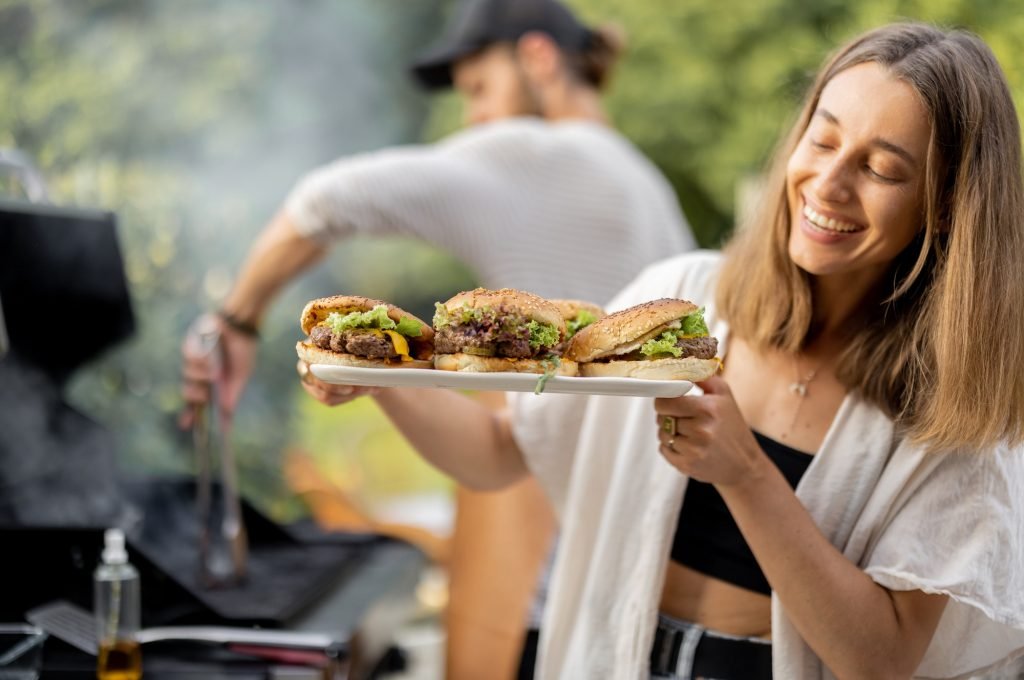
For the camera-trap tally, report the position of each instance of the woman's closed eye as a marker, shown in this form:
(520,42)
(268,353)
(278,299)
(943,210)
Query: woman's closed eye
(881,177)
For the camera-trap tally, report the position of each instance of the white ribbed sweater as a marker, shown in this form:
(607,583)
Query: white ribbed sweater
(564,209)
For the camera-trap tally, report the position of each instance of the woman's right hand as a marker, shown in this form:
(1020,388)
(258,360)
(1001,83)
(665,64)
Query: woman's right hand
(329,394)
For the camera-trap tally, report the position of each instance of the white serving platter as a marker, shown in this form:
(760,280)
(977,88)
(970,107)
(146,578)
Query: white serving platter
(497,382)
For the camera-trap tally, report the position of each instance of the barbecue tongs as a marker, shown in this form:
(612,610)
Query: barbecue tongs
(223,546)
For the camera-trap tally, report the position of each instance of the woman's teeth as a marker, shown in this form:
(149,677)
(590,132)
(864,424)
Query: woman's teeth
(827,223)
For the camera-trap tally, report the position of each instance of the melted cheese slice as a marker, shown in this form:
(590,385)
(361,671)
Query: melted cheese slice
(400,343)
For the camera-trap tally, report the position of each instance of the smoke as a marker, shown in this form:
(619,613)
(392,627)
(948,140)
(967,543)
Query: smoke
(192,120)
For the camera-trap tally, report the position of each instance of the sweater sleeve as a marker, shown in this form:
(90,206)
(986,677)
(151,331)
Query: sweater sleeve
(430,192)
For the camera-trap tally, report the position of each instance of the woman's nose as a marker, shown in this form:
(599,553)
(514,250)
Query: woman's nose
(833,181)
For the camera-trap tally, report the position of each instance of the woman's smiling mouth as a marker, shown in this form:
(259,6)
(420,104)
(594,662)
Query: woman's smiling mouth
(828,225)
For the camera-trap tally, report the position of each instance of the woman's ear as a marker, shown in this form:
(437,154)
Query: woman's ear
(539,57)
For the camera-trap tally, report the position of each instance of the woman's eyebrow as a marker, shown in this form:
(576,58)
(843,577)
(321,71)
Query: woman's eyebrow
(880,142)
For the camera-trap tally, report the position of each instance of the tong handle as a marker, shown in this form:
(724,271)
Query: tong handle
(213,429)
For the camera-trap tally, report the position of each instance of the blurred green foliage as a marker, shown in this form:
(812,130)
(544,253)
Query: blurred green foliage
(192,119)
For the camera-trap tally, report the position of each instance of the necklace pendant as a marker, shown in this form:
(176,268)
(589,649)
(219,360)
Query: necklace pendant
(798,388)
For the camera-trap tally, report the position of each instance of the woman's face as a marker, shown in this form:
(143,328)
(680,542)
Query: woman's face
(855,180)
(492,86)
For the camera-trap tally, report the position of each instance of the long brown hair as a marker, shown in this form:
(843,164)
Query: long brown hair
(943,352)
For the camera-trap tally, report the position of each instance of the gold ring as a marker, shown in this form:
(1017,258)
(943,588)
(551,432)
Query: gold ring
(668,424)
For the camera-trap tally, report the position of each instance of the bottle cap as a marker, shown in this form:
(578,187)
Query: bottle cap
(113,547)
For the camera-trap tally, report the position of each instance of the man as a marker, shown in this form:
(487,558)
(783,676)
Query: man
(540,194)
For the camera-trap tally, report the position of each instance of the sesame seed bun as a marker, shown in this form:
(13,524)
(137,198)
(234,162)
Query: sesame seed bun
(317,311)
(512,301)
(627,329)
(570,309)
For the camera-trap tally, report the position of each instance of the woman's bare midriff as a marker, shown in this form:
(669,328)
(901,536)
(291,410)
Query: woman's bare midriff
(715,604)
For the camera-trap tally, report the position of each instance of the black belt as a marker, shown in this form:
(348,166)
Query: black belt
(715,657)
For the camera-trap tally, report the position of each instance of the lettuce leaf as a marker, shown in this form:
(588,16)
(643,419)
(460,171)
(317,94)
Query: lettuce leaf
(374,318)
(663,344)
(694,325)
(443,317)
(409,327)
(551,364)
(582,320)
(542,334)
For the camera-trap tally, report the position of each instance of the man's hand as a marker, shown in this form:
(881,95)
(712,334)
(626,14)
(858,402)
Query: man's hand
(228,365)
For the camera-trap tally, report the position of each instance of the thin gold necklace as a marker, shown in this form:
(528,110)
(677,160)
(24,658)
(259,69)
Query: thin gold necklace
(799,388)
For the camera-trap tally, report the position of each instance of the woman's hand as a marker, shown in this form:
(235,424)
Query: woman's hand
(707,438)
(327,393)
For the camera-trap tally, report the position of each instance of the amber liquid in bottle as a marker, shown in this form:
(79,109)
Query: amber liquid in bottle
(120,660)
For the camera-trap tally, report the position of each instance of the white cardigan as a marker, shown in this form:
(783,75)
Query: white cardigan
(942,523)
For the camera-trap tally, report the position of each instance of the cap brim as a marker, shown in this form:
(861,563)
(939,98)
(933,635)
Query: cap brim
(433,70)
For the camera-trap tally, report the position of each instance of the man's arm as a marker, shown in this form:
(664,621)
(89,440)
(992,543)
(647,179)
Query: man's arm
(279,254)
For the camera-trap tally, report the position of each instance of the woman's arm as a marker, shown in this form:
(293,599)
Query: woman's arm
(459,435)
(858,628)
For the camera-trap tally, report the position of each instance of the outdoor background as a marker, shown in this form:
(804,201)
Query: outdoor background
(192,119)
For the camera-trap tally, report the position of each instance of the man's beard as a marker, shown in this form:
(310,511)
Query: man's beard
(530,100)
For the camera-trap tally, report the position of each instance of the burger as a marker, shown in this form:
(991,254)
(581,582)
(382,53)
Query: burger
(348,330)
(488,331)
(663,339)
(578,314)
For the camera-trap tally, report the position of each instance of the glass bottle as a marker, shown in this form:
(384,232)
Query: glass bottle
(116,605)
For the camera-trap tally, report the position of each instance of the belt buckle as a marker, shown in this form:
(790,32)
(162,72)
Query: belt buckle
(667,644)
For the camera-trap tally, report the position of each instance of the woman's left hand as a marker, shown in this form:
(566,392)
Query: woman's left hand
(706,437)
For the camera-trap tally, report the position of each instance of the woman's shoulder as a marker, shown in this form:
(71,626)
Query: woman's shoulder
(688,273)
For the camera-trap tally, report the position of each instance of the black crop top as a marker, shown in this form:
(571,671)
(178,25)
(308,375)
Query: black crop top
(707,538)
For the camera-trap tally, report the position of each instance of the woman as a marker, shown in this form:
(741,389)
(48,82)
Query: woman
(871,331)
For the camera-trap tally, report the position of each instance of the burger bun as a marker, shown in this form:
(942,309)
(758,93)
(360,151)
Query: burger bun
(686,368)
(471,363)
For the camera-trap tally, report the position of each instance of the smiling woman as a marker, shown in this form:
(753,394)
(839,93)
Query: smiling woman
(903,167)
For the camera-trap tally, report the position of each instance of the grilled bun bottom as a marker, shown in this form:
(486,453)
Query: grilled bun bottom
(472,363)
(312,354)
(685,368)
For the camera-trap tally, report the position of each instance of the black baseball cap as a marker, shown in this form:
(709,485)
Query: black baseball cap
(480,23)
